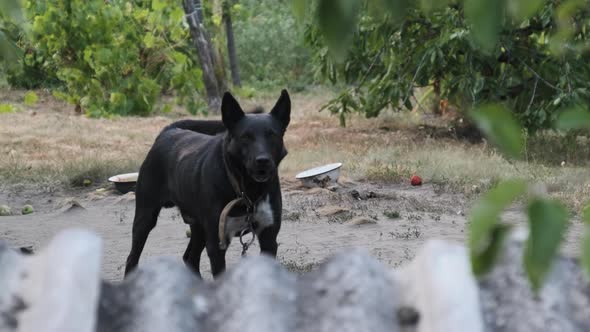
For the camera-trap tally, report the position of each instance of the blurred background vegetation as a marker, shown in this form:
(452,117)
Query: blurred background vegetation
(120,57)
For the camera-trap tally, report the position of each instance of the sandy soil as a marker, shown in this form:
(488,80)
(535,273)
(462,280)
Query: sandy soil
(48,147)
(317,222)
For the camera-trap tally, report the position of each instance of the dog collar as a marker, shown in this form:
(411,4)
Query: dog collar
(242,199)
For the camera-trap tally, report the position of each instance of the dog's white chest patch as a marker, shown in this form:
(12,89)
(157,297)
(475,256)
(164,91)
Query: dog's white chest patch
(263,214)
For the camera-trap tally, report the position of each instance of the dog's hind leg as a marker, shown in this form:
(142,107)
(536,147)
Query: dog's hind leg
(144,222)
(192,255)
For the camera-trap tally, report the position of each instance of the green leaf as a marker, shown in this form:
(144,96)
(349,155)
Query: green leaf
(167,108)
(337,20)
(159,5)
(11,9)
(408,104)
(523,9)
(485,233)
(396,8)
(574,118)
(216,19)
(547,222)
(31,98)
(500,127)
(488,254)
(117,98)
(300,8)
(586,252)
(485,18)
(430,5)
(586,214)
(7,48)
(6,108)
(149,40)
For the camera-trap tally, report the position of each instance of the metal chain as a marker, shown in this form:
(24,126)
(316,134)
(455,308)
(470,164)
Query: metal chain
(246,245)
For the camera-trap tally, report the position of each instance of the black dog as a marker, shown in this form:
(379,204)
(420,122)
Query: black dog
(201,166)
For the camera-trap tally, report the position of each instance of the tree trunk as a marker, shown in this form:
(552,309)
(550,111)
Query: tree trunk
(231,46)
(204,53)
(219,64)
(436,106)
(214,52)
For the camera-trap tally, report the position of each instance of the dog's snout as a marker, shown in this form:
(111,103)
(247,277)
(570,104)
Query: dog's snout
(262,161)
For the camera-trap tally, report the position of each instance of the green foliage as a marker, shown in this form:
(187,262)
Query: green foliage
(486,234)
(118,57)
(27,209)
(473,51)
(6,108)
(10,11)
(270,45)
(31,98)
(111,57)
(490,14)
(337,20)
(489,56)
(498,124)
(5,211)
(547,224)
(10,22)
(574,118)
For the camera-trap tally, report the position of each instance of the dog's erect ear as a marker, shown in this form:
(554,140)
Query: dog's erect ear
(282,109)
(231,112)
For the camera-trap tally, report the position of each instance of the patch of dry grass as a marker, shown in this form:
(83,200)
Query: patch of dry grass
(392,148)
(47,144)
(54,147)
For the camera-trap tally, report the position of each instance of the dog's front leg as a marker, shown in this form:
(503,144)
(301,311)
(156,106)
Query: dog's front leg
(268,240)
(272,213)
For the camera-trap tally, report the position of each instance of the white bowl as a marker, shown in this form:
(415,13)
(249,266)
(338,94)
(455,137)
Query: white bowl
(127,177)
(320,176)
(124,183)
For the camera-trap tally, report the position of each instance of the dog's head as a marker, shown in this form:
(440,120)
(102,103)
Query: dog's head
(256,140)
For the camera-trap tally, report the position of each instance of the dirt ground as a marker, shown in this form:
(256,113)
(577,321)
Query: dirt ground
(46,149)
(390,220)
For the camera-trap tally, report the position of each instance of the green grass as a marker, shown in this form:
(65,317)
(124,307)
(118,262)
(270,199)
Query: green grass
(76,173)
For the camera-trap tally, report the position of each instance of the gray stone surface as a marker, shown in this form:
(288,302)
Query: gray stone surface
(257,295)
(56,290)
(59,289)
(440,284)
(508,303)
(158,297)
(11,303)
(351,292)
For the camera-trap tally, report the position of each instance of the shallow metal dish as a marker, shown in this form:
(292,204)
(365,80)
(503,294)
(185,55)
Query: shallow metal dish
(124,183)
(320,176)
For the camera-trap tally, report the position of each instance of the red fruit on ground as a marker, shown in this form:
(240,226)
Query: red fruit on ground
(416,180)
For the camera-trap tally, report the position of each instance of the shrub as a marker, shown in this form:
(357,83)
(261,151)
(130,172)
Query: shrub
(111,57)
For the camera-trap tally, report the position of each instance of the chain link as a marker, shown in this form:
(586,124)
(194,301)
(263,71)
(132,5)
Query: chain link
(246,245)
